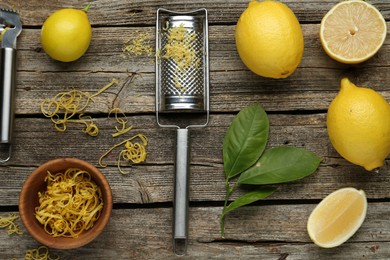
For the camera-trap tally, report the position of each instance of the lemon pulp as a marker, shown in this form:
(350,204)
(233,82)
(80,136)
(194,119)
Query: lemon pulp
(352,31)
(337,217)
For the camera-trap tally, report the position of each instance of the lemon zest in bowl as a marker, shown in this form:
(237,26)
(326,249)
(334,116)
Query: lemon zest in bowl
(71,204)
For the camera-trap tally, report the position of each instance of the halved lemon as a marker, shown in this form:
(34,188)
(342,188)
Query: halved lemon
(352,31)
(337,217)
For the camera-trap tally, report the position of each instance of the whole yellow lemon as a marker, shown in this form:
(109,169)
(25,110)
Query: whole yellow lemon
(269,39)
(358,122)
(66,34)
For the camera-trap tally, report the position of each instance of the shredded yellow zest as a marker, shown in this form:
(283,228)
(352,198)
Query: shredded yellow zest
(71,204)
(178,85)
(139,45)
(66,105)
(121,121)
(40,253)
(9,222)
(166,26)
(178,47)
(3,32)
(90,127)
(133,152)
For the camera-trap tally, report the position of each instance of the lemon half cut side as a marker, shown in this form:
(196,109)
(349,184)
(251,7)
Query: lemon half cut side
(352,31)
(337,217)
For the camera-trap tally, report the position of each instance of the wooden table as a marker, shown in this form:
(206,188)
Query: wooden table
(141,222)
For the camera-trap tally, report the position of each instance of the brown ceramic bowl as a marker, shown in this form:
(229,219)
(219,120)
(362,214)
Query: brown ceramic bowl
(35,183)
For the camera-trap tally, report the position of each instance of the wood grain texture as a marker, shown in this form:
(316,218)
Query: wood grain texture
(269,231)
(141,222)
(36,141)
(312,87)
(134,13)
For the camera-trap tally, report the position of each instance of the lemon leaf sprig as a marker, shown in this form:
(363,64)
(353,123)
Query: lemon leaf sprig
(246,158)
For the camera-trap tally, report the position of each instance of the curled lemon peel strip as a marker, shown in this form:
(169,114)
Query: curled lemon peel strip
(65,105)
(71,204)
(9,222)
(40,253)
(122,131)
(90,127)
(135,153)
(122,121)
(113,82)
(3,32)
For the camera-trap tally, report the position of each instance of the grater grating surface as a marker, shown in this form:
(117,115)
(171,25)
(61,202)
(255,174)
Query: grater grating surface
(182,77)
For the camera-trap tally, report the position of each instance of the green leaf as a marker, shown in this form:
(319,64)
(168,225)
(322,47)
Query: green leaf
(281,164)
(243,200)
(245,140)
(249,198)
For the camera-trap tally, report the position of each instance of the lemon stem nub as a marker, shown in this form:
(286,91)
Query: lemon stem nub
(346,84)
(86,8)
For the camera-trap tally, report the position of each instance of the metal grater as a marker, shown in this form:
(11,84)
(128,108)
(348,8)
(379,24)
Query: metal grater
(182,90)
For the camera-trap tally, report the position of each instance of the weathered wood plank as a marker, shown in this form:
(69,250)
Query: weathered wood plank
(230,91)
(138,12)
(37,140)
(153,181)
(105,52)
(33,136)
(272,231)
(312,86)
(154,184)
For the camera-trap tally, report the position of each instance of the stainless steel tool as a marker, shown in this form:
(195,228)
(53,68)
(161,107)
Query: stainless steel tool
(10,28)
(182,90)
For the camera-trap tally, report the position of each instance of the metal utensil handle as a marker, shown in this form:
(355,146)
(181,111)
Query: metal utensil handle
(180,230)
(7,92)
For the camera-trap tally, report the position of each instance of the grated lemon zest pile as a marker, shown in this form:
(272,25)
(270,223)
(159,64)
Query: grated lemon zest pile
(139,45)
(40,253)
(132,152)
(9,222)
(71,204)
(178,47)
(66,105)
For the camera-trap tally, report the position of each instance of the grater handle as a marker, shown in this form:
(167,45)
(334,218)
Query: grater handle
(180,225)
(7,92)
